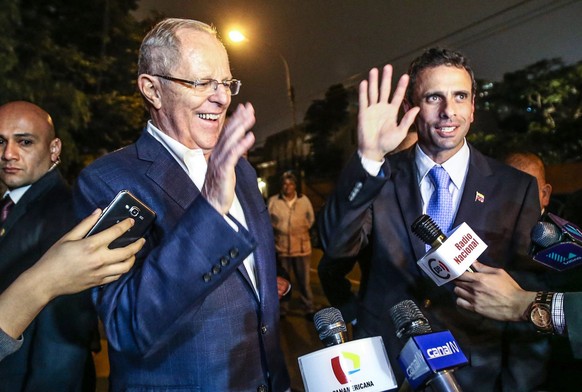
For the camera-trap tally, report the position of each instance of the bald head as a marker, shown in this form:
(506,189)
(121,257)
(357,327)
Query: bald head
(532,164)
(28,145)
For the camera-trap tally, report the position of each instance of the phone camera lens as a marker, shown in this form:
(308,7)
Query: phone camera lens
(134,211)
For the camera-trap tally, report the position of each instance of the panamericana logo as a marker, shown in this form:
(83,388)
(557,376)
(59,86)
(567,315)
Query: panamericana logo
(339,373)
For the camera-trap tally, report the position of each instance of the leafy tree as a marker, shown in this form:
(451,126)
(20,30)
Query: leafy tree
(538,108)
(76,59)
(322,121)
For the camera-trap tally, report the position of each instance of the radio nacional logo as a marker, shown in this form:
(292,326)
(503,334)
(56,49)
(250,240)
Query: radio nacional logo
(339,372)
(439,268)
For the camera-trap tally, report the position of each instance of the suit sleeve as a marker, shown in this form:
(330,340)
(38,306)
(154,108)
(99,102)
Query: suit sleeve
(346,220)
(177,269)
(62,337)
(573,314)
(344,227)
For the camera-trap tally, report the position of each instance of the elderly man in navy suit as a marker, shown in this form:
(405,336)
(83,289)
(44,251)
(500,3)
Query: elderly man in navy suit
(379,196)
(200,310)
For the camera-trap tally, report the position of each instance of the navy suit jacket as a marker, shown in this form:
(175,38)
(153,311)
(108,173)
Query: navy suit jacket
(380,215)
(186,318)
(573,314)
(55,355)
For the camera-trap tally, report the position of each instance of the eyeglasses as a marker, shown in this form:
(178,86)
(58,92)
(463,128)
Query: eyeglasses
(207,85)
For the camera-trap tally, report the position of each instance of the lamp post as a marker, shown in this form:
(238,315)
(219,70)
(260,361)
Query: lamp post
(236,36)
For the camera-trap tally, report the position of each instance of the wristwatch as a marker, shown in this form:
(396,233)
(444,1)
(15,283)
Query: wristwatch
(540,312)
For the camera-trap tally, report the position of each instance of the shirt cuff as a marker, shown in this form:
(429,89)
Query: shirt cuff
(558,318)
(372,167)
(8,345)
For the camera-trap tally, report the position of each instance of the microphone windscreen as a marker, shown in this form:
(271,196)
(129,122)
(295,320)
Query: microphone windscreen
(546,234)
(409,320)
(328,322)
(426,229)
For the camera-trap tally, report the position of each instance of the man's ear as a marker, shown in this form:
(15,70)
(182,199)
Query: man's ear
(149,86)
(546,193)
(55,149)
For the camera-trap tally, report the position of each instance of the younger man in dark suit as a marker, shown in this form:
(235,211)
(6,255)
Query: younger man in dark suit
(379,196)
(55,355)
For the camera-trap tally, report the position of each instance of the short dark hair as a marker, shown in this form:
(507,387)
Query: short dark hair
(288,175)
(435,57)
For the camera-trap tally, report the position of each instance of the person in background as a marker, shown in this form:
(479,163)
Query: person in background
(532,164)
(35,212)
(379,195)
(71,265)
(200,310)
(564,366)
(292,216)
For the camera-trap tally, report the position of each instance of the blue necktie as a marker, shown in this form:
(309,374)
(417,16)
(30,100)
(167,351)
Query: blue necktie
(440,205)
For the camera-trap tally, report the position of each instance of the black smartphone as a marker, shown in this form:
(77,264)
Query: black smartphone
(125,205)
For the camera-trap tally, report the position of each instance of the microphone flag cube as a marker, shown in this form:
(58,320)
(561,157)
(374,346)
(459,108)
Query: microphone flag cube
(451,259)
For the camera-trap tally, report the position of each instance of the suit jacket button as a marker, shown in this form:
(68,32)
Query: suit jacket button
(216,269)
(207,277)
(262,388)
(233,253)
(426,303)
(224,261)
(264,329)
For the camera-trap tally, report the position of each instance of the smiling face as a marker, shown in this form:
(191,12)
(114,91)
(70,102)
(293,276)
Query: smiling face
(444,95)
(194,119)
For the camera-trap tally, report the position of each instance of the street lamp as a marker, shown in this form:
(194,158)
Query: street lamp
(236,36)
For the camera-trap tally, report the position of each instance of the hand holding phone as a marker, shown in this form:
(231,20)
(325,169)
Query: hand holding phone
(125,205)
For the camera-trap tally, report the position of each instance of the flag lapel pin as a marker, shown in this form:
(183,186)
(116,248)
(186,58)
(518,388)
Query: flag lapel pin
(479,197)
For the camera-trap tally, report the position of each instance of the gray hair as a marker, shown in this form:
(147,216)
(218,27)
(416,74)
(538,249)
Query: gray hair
(160,48)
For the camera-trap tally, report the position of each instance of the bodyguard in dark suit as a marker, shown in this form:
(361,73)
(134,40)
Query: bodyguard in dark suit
(56,346)
(199,311)
(377,200)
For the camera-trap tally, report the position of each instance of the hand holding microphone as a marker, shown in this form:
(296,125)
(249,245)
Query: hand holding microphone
(449,257)
(493,293)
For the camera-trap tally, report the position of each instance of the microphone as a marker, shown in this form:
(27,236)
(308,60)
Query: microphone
(556,244)
(345,366)
(330,326)
(428,358)
(448,257)
(428,231)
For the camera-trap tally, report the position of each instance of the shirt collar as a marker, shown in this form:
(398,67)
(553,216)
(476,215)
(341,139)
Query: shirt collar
(456,166)
(16,194)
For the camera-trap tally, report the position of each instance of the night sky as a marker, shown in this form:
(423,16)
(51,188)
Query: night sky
(331,41)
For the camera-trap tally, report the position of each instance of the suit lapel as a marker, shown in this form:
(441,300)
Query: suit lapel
(33,193)
(408,196)
(166,172)
(476,191)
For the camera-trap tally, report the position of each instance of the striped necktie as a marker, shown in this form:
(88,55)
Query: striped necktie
(6,205)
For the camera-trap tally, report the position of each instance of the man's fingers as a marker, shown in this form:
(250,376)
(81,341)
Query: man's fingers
(400,90)
(373,86)
(386,84)
(408,118)
(462,303)
(363,94)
